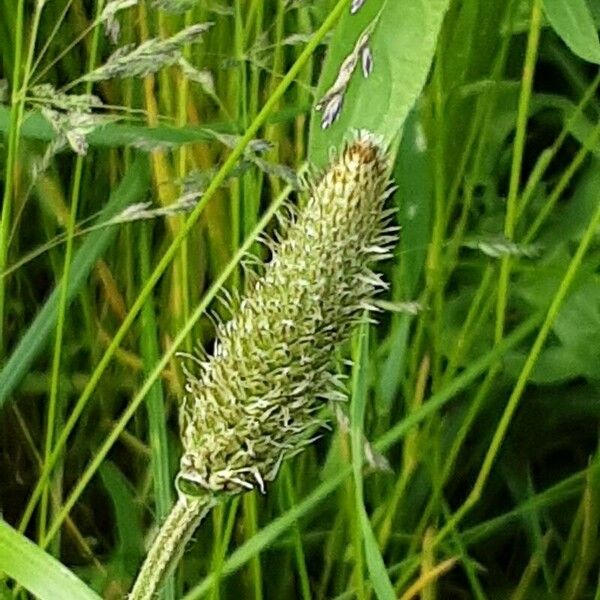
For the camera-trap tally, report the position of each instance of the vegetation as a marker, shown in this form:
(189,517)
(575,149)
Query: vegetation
(147,146)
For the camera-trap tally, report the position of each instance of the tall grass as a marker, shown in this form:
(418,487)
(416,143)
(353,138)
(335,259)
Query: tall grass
(129,204)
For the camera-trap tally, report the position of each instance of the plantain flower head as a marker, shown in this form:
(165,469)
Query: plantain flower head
(261,393)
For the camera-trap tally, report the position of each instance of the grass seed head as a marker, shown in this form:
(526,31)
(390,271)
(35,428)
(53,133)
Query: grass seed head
(259,396)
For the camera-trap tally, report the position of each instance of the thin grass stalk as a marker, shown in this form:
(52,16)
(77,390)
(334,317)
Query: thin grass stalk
(300,556)
(357,577)
(222,543)
(250,510)
(237,90)
(157,413)
(517,162)
(253,186)
(16,117)
(53,401)
(435,268)
(303,94)
(275,133)
(183,98)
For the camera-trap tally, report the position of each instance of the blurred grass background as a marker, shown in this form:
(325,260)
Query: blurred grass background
(481,380)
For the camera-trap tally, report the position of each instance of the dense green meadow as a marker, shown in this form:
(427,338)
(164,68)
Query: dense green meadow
(146,149)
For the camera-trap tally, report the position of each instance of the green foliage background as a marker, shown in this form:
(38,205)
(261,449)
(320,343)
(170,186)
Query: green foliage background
(481,383)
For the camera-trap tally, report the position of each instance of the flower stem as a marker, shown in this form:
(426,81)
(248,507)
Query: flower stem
(169,544)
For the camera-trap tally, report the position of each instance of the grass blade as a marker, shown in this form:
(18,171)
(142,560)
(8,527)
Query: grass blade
(375,564)
(115,135)
(155,405)
(37,571)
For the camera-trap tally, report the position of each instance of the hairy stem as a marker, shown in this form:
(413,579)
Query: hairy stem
(169,544)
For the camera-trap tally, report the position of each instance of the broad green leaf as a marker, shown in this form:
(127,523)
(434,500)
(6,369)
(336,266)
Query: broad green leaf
(568,221)
(37,571)
(595,8)
(573,22)
(577,326)
(131,190)
(414,197)
(402,43)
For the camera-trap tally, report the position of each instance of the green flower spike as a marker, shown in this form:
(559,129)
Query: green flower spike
(259,396)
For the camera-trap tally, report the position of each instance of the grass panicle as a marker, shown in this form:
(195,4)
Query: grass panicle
(149,56)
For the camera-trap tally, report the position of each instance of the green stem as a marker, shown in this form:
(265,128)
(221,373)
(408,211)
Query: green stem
(434,261)
(517,162)
(250,530)
(169,544)
(291,500)
(16,116)
(64,292)
(183,96)
(155,403)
